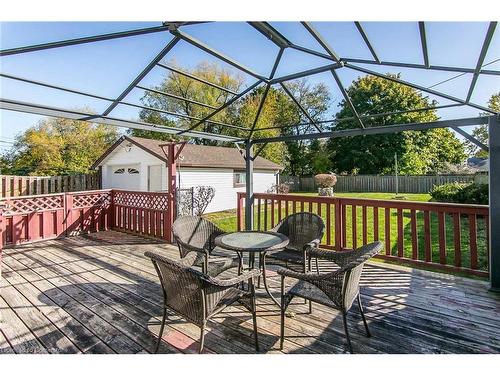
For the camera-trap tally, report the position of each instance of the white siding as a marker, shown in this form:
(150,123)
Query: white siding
(222,181)
(121,157)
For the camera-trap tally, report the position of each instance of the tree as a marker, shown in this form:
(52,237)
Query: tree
(278,111)
(419,152)
(481,132)
(57,146)
(195,91)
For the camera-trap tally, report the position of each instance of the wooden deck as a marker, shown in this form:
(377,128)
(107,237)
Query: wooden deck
(99,294)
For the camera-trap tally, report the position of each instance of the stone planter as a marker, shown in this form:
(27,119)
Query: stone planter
(325,192)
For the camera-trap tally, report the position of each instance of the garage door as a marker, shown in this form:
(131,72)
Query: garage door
(126,177)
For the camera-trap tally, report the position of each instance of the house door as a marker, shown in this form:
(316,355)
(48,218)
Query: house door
(154,178)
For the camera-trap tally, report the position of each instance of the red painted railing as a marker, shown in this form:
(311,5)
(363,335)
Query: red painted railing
(143,213)
(445,236)
(34,218)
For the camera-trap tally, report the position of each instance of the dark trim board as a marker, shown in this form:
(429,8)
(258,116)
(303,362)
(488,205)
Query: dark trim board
(99,294)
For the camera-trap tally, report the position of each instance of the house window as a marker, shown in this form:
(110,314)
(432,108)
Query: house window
(133,171)
(239,178)
(119,171)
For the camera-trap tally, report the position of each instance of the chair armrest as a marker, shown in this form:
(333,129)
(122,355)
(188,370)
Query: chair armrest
(336,257)
(312,245)
(285,272)
(233,281)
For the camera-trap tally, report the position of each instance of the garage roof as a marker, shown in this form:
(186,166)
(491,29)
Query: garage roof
(195,155)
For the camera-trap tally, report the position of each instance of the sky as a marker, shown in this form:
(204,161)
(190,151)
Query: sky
(106,68)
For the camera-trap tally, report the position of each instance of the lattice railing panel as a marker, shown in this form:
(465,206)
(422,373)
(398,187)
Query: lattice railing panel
(100,199)
(152,201)
(27,205)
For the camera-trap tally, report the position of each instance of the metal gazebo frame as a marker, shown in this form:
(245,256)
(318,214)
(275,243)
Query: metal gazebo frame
(336,62)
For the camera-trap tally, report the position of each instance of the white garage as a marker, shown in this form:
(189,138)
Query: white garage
(134,163)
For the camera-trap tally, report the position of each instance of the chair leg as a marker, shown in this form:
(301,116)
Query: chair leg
(349,345)
(282,308)
(202,337)
(317,265)
(310,307)
(368,334)
(254,318)
(161,329)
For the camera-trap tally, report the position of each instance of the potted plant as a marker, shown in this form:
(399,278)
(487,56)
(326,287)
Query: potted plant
(325,182)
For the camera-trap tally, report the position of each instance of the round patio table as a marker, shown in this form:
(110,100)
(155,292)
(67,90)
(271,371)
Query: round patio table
(252,243)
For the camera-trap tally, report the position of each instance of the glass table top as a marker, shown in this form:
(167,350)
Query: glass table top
(252,240)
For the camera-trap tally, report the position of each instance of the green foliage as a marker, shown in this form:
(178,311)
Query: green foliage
(57,147)
(461,193)
(481,132)
(278,112)
(419,152)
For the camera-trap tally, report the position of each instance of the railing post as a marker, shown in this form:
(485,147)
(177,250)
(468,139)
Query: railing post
(68,208)
(338,223)
(239,211)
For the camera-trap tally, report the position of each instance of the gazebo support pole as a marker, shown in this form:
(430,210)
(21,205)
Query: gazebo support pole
(494,200)
(249,186)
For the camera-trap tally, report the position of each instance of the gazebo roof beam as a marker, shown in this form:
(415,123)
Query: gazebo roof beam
(484,50)
(367,41)
(423,42)
(225,105)
(61,88)
(316,35)
(471,138)
(189,39)
(189,75)
(378,130)
(420,66)
(290,94)
(418,87)
(367,116)
(18,106)
(175,96)
(305,73)
(266,91)
(271,33)
(141,75)
(83,40)
(347,98)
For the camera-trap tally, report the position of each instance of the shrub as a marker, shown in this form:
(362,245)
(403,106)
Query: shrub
(461,193)
(279,189)
(325,180)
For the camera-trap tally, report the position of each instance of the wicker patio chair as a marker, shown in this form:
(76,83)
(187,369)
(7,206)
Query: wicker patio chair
(197,296)
(305,231)
(195,234)
(337,289)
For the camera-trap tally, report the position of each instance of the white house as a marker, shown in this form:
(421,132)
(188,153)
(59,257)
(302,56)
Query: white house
(134,163)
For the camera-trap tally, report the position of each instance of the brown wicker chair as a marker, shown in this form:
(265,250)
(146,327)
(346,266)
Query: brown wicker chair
(195,234)
(197,296)
(337,289)
(305,231)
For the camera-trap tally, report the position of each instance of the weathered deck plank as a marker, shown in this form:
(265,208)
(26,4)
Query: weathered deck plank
(99,294)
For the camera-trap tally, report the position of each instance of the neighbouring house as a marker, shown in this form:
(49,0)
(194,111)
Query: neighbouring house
(478,164)
(134,163)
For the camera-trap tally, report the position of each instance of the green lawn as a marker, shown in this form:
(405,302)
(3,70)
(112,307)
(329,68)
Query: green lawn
(227,221)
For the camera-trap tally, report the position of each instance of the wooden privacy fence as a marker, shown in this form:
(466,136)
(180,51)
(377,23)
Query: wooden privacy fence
(15,186)
(382,184)
(33,218)
(444,236)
